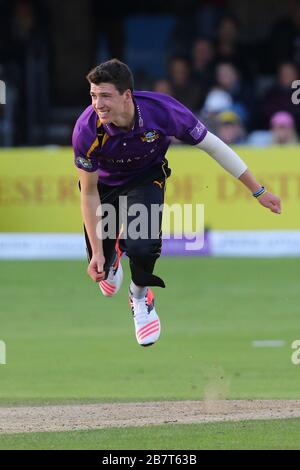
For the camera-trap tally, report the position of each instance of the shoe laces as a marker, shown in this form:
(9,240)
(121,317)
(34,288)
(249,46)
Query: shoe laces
(140,310)
(112,272)
(113,269)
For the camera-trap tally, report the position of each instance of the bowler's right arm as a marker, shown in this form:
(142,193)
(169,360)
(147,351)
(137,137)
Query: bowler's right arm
(90,201)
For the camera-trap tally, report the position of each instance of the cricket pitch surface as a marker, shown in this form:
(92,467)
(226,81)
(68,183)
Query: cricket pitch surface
(21,419)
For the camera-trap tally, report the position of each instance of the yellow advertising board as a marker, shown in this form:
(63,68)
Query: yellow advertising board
(39,189)
(227,203)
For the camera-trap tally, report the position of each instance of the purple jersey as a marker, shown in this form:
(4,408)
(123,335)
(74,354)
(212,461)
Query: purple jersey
(121,156)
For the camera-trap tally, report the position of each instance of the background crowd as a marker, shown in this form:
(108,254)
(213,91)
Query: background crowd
(230,66)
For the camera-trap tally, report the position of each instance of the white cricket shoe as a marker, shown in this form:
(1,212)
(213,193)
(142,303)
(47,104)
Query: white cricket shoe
(113,282)
(146,320)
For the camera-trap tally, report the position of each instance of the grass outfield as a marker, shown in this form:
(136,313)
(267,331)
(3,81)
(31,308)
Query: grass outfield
(66,343)
(274,434)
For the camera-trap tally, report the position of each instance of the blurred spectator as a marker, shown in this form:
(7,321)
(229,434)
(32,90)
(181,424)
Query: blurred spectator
(278,97)
(23,55)
(163,86)
(284,40)
(216,102)
(282,132)
(202,62)
(230,128)
(228,78)
(283,128)
(227,38)
(185,88)
(259,138)
(229,47)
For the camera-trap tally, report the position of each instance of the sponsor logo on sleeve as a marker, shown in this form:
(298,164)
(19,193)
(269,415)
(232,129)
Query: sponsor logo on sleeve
(84,163)
(197,131)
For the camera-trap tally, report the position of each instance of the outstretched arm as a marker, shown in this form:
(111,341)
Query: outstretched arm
(90,201)
(231,162)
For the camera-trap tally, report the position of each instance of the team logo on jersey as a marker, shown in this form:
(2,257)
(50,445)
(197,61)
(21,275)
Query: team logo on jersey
(150,136)
(84,162)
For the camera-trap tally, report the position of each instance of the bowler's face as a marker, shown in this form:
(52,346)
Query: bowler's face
(108,103)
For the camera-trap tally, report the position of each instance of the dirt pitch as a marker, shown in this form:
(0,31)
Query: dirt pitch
(78,417)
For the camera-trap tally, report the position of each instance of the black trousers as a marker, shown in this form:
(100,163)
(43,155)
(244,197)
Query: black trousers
(142,251)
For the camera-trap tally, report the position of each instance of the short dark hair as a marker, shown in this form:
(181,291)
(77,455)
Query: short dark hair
(113,71)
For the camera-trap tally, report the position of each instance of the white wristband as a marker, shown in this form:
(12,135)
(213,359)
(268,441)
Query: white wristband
(223,154)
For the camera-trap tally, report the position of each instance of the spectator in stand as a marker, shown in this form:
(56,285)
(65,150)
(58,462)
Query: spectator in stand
(202,63)
(185,88)
(24,44)
(284,41)
(283,129)
(278,97)
(227,38)
(203,55)
(230,128)
(229,48)
(216,102)
(228,78)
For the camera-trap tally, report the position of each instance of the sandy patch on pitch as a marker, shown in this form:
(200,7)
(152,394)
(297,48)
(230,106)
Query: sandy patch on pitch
(75,417)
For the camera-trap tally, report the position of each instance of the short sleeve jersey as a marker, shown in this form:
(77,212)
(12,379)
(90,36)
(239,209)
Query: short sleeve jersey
(121,156)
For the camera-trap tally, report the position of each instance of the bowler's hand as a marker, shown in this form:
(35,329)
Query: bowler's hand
(96,267)
(271,202)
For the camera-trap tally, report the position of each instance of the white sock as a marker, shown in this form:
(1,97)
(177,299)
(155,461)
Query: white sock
(138,291)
